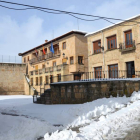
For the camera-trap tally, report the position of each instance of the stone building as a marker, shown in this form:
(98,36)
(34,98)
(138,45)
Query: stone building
(114,52)
(70,51)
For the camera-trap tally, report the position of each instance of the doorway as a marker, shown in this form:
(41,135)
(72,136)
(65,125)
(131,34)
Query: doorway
(77,76)
(130,69)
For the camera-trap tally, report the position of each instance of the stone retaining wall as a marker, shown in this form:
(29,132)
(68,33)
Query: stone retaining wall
(80,92)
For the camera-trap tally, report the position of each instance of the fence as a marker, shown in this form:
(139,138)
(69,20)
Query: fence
(97,75)
(87,76)
(10,59)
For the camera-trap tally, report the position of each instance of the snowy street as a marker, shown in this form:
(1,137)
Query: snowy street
(107,118)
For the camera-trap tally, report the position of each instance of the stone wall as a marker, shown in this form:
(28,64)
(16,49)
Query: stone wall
(80,92)
(12,78)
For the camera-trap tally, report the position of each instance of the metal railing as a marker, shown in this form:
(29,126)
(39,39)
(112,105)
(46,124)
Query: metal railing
(10,59)
(48,69)
(129,44)
(98,75)
(94,76)
(97,51)
(45,57)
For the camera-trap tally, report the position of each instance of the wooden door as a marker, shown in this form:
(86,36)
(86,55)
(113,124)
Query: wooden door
(128,39)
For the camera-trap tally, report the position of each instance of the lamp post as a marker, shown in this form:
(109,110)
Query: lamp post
(63,55)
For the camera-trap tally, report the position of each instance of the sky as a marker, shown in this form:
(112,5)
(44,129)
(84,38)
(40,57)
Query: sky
(24,30)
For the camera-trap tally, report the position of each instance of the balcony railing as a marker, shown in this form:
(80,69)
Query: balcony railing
(49,69)
(45,57)
(127,46)
(97,51)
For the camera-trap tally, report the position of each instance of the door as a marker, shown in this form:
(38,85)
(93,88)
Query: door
(113,71)
(51,78)
(77,76)
(130,69)
(128,39)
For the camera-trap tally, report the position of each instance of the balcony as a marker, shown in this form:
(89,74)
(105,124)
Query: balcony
(127,46)
(45,57)
(97,51)
(48,70)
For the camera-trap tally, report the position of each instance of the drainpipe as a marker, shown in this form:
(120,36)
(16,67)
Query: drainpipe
(103,52)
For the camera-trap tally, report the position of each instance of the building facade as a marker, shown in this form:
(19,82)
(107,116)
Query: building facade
(114,52)
(68,62)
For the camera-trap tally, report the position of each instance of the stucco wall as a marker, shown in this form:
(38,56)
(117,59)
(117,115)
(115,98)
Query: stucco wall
(12,78)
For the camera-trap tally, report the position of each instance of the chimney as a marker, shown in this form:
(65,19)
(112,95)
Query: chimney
(46,41)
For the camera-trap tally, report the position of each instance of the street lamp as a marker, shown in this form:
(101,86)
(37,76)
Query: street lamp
(99,44)
(63,55)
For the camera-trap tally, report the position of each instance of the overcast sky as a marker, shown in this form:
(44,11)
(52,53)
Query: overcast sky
(23,30)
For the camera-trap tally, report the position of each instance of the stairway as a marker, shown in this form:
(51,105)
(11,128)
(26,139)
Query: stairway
(44,98)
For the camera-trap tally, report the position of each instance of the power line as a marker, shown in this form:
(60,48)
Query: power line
(119,25)
(67,12)
(63,13)
(48,12)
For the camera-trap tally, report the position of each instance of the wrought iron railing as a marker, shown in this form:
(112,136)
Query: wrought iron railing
(48,69)
(129,44)
(45,57)
(97,51)
(95,76)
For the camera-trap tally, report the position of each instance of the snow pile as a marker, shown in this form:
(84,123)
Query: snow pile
(65,134)
(100,118)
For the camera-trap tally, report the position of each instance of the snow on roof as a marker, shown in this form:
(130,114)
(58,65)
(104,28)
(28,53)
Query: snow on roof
(88,34)
(79,31)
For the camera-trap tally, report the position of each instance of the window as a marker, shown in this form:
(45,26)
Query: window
(36,81)
(24,59)
(71,60)
(113,71)
(128,39)
(98,72)
(58,77)
(41,80)
(96,46)
(54,63)
(80,59)
(43,66)
(51,78)
(47,80)
(64,61)
(111,42)
(64,45)
(28,58)
(31,81)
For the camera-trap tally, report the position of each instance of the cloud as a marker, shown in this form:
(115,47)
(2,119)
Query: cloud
(118,8)
(15,37)
(18,37)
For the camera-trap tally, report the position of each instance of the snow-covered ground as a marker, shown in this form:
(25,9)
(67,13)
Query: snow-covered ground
(20,119)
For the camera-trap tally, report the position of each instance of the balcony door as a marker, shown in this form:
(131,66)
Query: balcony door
(98,72)
(128,39)
(77,76)
(130,69)
(113,71)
